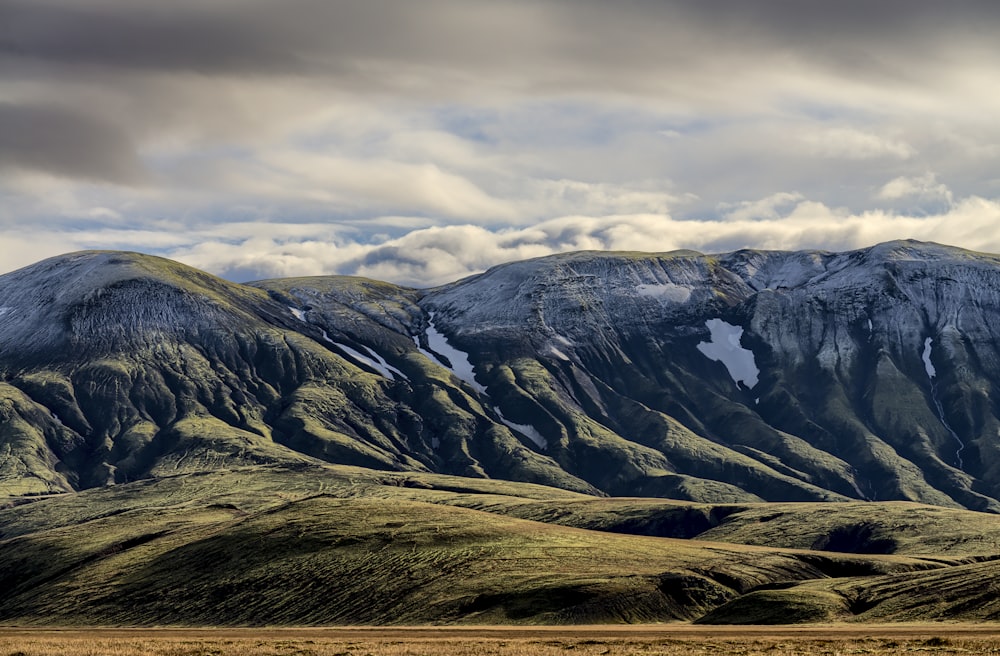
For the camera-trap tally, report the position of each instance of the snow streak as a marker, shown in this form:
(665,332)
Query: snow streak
(525,429)
(460,365)
(932,376)
(378,364)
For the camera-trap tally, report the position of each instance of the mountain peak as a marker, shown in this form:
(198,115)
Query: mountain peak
(92,301)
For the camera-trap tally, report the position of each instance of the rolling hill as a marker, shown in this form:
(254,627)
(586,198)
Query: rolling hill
(322,544)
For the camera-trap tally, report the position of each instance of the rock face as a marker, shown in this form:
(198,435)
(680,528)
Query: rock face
(752,375)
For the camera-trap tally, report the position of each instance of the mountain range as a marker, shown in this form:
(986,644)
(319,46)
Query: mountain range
(586,437)
(747,376)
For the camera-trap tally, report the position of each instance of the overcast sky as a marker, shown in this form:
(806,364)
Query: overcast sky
(422,141)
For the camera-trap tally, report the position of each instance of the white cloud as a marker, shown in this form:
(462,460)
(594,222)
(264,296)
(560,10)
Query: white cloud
(854,144)
(763,209)
(436,255)
(347,185)
(925,187)
(21,248)
(546,198)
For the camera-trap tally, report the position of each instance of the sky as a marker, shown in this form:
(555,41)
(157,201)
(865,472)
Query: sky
(420,142)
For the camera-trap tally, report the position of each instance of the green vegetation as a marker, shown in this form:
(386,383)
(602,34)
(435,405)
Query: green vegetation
(321,545)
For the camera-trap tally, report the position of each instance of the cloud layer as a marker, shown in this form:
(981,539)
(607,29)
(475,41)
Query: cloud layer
(424,141)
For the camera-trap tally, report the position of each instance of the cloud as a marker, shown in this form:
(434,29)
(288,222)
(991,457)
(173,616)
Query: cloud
(384,184)
(433,255)
(65,142)
(552,197)
(464,48)
(925,187)
(763,209)
(222,37)
(421,141)
(438,254)
(21,248)
(853,144)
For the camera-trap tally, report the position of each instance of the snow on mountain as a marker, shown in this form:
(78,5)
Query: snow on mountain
(926,355)
(609,362)
(457,361)
(525,429)
(725,347)
(377,363)
(665,291)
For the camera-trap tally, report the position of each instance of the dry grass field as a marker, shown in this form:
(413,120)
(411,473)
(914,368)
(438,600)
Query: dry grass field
(647,640)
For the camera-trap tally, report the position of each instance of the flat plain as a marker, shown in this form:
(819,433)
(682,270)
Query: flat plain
(651,639)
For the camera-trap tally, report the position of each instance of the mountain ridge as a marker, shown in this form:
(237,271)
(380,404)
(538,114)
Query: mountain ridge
(743,376)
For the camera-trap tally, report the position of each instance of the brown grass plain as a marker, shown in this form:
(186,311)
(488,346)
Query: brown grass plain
(643,640)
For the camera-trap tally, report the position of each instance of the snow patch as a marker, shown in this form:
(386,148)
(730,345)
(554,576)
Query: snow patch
(379,364)
(928,365)
(557,353)
(389,367)
(666,292)
(55,417)
(554,351)
(4,310)
(565,341)
(299,314)
(525,429)
(435,442)
(460,365)
(725,348)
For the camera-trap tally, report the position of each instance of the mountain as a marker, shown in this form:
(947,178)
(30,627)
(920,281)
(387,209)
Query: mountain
(733,378)
(589,437)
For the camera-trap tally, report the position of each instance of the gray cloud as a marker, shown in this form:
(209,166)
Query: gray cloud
(687,57)
(182,36)
(61,141)
(437,137)
(577,44)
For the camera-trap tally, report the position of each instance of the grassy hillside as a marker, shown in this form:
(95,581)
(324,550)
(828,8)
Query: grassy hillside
(966,593)
(339,545)
(846,527)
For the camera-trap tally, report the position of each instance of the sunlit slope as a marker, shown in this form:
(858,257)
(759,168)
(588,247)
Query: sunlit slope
(847,527)
(334,546)
(965,593)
